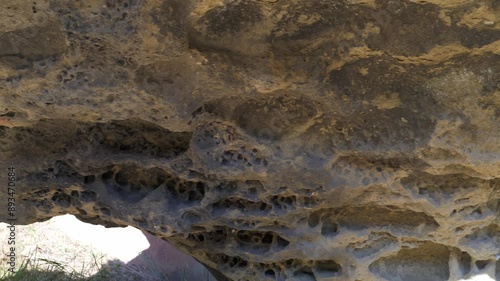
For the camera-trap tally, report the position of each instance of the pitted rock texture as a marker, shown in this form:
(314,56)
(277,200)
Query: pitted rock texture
(270,139)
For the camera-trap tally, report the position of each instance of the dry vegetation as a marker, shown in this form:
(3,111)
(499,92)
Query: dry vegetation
(45,253)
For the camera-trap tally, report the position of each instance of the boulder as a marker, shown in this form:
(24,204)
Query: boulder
(269,139)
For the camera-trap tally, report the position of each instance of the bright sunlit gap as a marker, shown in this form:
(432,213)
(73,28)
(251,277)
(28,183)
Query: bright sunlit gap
(66,241)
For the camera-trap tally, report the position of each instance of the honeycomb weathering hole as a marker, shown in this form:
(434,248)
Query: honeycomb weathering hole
(429,261)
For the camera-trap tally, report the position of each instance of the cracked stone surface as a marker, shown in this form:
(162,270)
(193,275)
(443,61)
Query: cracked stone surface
(270,139)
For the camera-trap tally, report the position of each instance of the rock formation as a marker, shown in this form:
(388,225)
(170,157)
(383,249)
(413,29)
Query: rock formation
(270,139)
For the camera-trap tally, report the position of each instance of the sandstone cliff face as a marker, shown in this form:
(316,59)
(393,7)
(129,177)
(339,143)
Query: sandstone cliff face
(270,139)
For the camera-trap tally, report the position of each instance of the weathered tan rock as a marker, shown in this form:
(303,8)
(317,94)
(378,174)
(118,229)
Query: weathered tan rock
(271,140)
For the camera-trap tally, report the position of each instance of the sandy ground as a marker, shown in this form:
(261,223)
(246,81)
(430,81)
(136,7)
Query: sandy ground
(134,255)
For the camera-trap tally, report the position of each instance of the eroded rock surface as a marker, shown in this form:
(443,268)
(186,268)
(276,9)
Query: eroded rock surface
(270,139)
